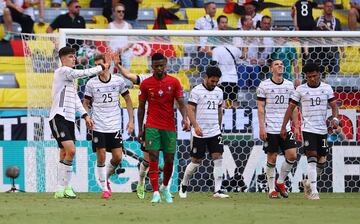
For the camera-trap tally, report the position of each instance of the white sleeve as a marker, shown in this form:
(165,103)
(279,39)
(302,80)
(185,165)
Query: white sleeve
(194,97)
(88,89)
(122,85)
(198,25)
(260,92)
(71,74)
(330,93)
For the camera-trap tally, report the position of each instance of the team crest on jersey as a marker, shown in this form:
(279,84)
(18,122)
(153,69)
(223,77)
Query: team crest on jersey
(194,150)
(62,134)
(306,143)
(149,142)
(96,140)
(169,88)
(98,90)
(161,92)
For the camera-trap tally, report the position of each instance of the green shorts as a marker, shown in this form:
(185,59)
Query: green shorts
(156,139)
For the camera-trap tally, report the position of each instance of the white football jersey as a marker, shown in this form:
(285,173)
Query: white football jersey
(105,97)
(207,104)
(65,100)
(314,105)
(276,97)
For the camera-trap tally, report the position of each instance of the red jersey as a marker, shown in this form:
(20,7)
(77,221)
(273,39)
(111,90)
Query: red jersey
(160,95)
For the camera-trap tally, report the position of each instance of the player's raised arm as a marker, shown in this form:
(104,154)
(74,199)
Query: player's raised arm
(130,109)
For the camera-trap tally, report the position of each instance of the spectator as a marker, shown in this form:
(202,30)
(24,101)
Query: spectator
(22,12)
(5,17)
(207,22)
(287,54)
(250,10)
(227,58)
(191,3)
(327,58)
(265,47)
(248,70)
(72,19)
(353,17)
(303,15)
(121,44)
(131,10)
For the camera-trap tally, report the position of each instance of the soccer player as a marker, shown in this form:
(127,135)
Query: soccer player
(303,15)
(205,114)
(160,91)
(314,98)
(62,115)
(144,164)
(273,96)
(104,92)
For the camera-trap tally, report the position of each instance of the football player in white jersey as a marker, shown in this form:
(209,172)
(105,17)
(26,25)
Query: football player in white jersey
(103,91)
(273,97)
(65,103)
(205,114)
(314,97)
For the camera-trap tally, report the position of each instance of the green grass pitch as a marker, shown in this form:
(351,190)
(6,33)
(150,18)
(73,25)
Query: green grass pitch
(198,208)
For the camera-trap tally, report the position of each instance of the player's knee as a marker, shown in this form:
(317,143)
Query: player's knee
(67,162)
(196,160)
(271,158)
(114,162)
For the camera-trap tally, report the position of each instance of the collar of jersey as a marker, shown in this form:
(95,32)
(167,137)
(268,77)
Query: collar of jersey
(104,81)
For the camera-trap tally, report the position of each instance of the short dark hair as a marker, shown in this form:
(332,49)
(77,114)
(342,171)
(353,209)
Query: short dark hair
(208,3)
(220,17)
(310,67)
(157,56)
(71,2)
(266,17)
(66,50)
(243,19)
(213,71)
(99,57)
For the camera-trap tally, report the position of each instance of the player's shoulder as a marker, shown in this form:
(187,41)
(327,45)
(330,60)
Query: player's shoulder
(325,85)
(172,79)
(288,83)
(217,89)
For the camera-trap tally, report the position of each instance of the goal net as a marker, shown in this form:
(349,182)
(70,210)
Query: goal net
(189,53)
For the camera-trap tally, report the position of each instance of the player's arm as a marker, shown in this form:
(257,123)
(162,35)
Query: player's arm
(287,116)
(296,73)
(126,73)
(220,115)
(293,15)
(141,113)
(80,108)
(71,74)
(130,109)
(191,111)
(261,117)
(182,109)
(335,113)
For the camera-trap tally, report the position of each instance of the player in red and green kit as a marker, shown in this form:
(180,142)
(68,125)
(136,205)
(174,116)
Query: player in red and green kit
(160,91)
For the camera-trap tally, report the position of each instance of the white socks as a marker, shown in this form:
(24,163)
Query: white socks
(189,171)
(218,174)
(270,175)
(312,175)
(285,170)
(144,169)
(101,169)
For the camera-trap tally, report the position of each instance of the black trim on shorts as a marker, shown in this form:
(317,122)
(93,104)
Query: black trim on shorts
(316,142)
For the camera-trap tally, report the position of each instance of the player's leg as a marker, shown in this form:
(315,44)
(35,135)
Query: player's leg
(271,148)
(114,145)
(143,170)
(101,170)
(216,148)
(310,185)
(288,146)
(168,145)
(63,131)
(322,151)
(152,144)
(197,153)
(320,166)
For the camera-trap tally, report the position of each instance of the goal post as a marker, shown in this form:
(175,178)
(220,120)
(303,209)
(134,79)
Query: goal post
(338,54)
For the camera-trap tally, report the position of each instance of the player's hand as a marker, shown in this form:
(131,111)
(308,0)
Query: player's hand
(297,83)
(130,127)
(185,124)
(283,133)
(198,131)
(335,123)
(141,136)
(89,122)
(263,134)
(116,57)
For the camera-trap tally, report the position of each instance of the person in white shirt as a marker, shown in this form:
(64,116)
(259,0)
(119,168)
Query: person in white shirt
(205,114)
(65,103)
(314,97)
(121,44)
(250,10)
(104,91)
(273,96)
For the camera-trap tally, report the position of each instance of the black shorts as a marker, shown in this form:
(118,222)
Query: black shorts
(200,145)
(62,130)
(230,90)
(108,141)
(316,142)
(274,143)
